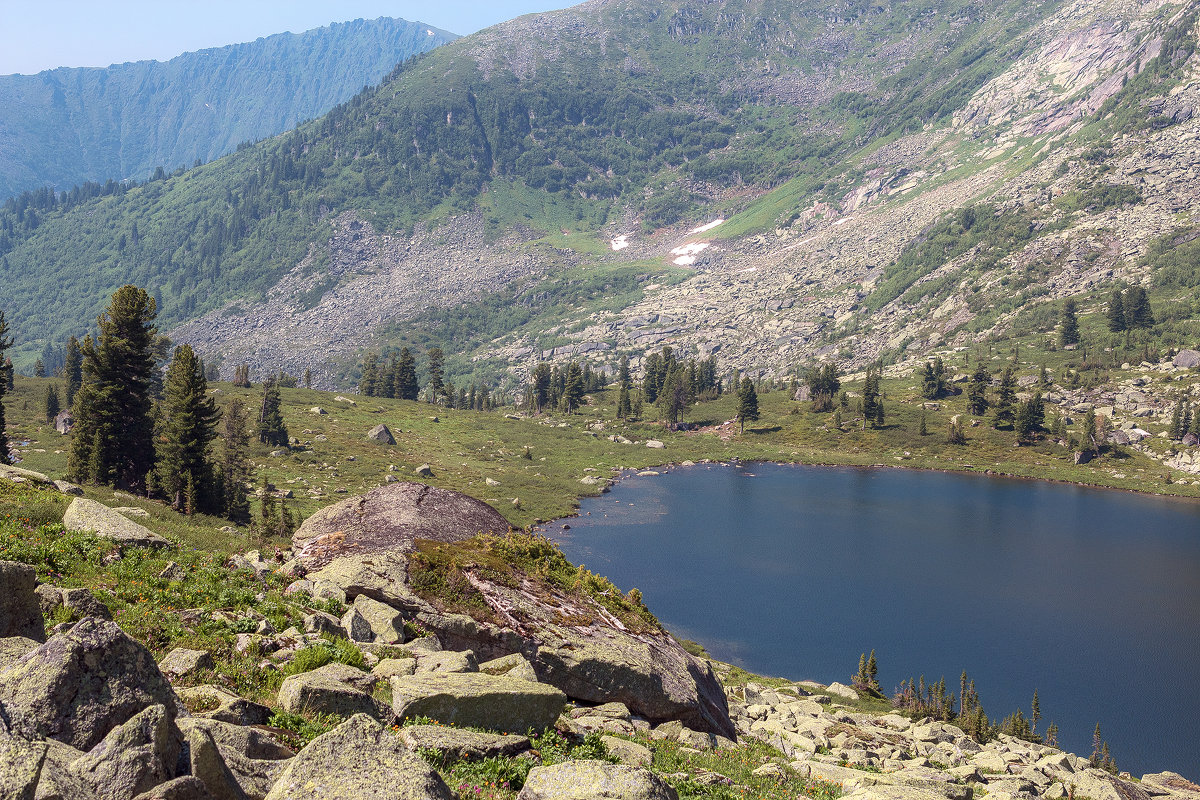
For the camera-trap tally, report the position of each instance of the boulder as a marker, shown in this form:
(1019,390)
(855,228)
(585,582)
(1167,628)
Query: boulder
(324,691)
(88,515)
(453,744)
(358,760)
(215,703)
(391,667)
(232,755)
(13,648)
(64,421)
(79,603)
(20,606)
(19,474)
(389,519)
(133,758)
(80,685)
(514,665)
(205,762)
(594,780)
(381,434)
(629,753)
(188,787)
(181,661)
(842,690)
(424,471)
(448,661)
(369,620)
(21,766)
(65,487)
(475,700)
(1187,359)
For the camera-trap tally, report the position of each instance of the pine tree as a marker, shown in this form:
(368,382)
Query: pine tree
(1004,412)
(572,395)
(977,402)
(1089,431)
(407,385)
(933,379)
(540,381)
(235,463)
(1116,312)
(52,403)
(5,343)
(1137,309)
(1036,712)
(189,425)
(39,369)
(747,408)
(271,429)
(308,379)
(72,369)
(241,376)
(1068,332)
(437,371)
(624,404)
(113,441)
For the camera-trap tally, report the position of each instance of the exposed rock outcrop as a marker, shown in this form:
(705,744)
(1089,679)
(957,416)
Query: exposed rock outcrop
(20,605)
(107,523)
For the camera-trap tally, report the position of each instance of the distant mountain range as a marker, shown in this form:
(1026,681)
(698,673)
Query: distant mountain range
(65,126)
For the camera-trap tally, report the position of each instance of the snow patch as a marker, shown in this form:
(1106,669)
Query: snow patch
(428,32)
(690,249)
(621,242)
(704,228)
(843,220)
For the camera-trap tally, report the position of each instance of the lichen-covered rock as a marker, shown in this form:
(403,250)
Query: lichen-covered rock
(13,648)
(88,515)
(251,756)
(181,661)
(369,620)
(20,766)
(79,603)
(133,758)
(82,684)
(381,434)
(455,744)
(206,763)
(188,787)
(448,661)
(475,700)
(326,691)
(215,703)
(390,518)
(594,780)
(358,760)
(514,665)
(20,606)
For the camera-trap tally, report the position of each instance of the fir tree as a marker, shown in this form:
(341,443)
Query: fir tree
(1137,309)
(1004,412)
(1176,429)
(747,408)
(1089,431)
(189,425)
(307,378)
(407,385)
(977,402)
(1116,312)
(540,382)
(39,369)
(572,395)
(437,371)
(113,442)
(673,398)
(624,404)
(271,429)
(5,343)
(241,376)
(52,403)
(1036,713)
(235,463)
(933,379)
(72,370)
(1068,332)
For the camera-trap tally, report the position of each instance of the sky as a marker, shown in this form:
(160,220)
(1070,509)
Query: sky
(95,33)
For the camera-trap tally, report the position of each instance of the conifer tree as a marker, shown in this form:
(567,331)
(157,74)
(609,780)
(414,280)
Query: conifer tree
(52,402)
(1116,312)
(933,379)
(747,408)
(241,376)
(235,463)
(624,404)
(673,397)
(189,425)
(1176,429)
(5,343)
(1137,309)
(572,395)
(113,441)
(39,369)
(72,370)
(1089,430)
(437,371)
(369,378)
(407,385)
(271,429)
(977,402)
(1068,332)
(307,378)
(923,430)
(1004,412)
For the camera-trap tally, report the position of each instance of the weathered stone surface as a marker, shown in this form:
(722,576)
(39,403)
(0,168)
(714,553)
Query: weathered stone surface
(81,684)
(88,515)
(390,667)
(182,661)
(630,753)
(188,787)
(1187,359)
(890,792)
(842,690)
(250,756)
(133,758)
(20,767)
(247,742)
(390,518)
(325,691)
(20,474)
(79,603)
(513,665)
(381,434)
(13,648)
(206,763)
(475,700)
(224,706)
(448,661)
(358,760)
(372,621)
(453,743)
(69,488)
(20,606)
(594,780)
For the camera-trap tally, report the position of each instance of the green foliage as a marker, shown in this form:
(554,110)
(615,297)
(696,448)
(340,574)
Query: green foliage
(302,729)
(187,419)
(271,428)
(1099,197)
(5,343)
(330,651)
(747,408)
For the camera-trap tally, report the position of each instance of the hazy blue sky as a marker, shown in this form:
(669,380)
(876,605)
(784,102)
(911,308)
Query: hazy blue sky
(95,33)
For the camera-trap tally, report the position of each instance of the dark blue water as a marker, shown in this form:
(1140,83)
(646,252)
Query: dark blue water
(1092,597)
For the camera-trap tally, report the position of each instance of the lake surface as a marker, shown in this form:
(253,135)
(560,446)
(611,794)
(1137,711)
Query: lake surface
(1090,596)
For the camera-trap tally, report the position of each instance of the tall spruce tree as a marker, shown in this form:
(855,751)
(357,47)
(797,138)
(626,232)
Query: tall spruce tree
(977,401)
(271,429)
(1004,411)
(1068,332)
(189,424)
(1137,309)
(53,406)
(572,395)
(113,440)
(235,463)
(370,375)
(73,369)
(1116,312)
(5,343)
(407,385)
(747,407)
(437,372)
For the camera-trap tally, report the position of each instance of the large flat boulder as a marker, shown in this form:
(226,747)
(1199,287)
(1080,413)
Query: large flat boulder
(327,691)
(475,700)
(20,605)
(80,685)
(107,523)
(358,760)
(594,780)
(389,519)
(453,744)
